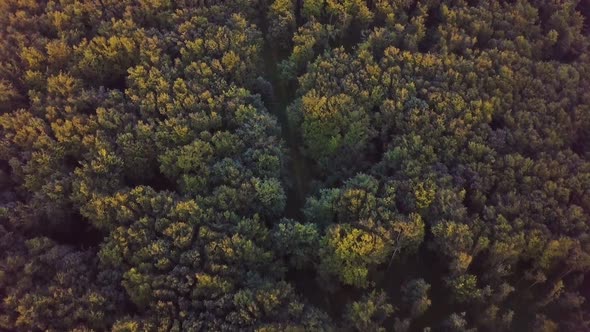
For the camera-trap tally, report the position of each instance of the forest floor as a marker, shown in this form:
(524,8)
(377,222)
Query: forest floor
(298,174)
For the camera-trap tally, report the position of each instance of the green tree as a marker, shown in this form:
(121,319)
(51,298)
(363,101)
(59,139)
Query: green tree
(370,312)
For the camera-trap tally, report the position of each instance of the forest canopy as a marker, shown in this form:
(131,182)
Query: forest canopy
(295,165)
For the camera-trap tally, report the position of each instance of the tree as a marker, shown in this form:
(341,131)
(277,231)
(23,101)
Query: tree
(281,15)
(370,312)
(299,242)
(415,295)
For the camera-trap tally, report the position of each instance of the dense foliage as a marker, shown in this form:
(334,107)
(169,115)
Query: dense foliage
(300,165)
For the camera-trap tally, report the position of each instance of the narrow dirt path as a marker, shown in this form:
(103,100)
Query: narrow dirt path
(298,168)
